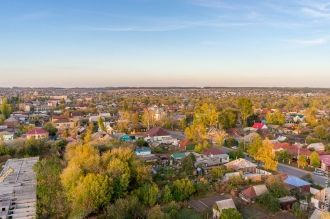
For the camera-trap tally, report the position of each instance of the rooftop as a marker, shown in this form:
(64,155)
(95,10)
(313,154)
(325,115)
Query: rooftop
(18,188)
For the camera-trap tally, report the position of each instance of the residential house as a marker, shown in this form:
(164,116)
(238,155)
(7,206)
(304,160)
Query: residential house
(127,138)
(317,146)
(6,136)
(37,133)
(142,151)
(287,202)
(158,136)
(321,199)
(11,123)
(222,205)
(297,184)
(242,165)
(251,193)
(325,162)
(62,123)
(259,126)
(211,160)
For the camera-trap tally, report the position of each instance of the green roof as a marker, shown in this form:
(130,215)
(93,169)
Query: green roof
(178,156)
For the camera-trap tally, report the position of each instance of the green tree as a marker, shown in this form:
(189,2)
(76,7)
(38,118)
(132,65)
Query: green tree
(127,208)
(5,108)
(269,202)
(92,192)
(51,198)
(156,213)
(166,195)
(321,132)
(315,159)
(50,128)
(187,165)
(245,105)
(230,213)
(182,189)
(148,194)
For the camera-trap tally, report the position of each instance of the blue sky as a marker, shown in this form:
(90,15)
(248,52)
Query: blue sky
(69,43)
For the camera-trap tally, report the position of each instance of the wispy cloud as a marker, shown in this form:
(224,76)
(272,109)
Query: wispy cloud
(34,15)
(309,42)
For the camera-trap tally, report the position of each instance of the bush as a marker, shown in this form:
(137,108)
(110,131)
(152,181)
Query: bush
(230,142)
(269,202)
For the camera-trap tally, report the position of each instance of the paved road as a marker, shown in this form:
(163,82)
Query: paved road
(319,180)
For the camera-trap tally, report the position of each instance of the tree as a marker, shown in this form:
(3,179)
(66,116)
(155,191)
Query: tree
(276,118)
(321,132)
(5,108)
(127,208)
(206,114)
(219,137)
(217,172)
(89,132)
(283,156)
(50,128)
(196,133)
(315,159)
(156,213)
(302,161)
(269,202)
(200,147)
(267,156)
(148,194)
(230,213)
(276,187)
(187,164)
(254,146)
(120,173)
(101,125)
(228,118)
(166,196)
(148,118)
(123,121)
(51,198)
(310,116)
(245,106)
(182,189)
(91,193)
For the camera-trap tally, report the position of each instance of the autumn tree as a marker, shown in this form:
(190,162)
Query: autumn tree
(206,114)
(166,196)
(275,118)
(302,161)
(148,118)
(228,118)
(245,107)
(267,155)
(89,132)
(315,159)
(254,146)
(100,123)
(196,133)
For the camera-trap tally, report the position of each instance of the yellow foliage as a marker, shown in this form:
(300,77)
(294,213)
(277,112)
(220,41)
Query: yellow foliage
(267,155)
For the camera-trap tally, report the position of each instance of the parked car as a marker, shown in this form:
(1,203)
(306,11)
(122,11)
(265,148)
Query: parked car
(319,172)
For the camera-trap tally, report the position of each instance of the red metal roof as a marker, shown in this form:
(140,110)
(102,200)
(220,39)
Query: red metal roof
(258,125)
(37,131)
(291,149)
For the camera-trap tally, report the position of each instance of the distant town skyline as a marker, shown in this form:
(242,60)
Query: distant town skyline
(157,43)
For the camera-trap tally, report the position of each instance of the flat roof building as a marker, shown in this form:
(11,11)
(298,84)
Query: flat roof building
(18,189)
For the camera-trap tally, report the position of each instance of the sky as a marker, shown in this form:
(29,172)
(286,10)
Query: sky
(105,43)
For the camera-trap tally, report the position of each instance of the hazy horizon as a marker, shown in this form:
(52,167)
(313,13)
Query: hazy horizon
(181,43)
